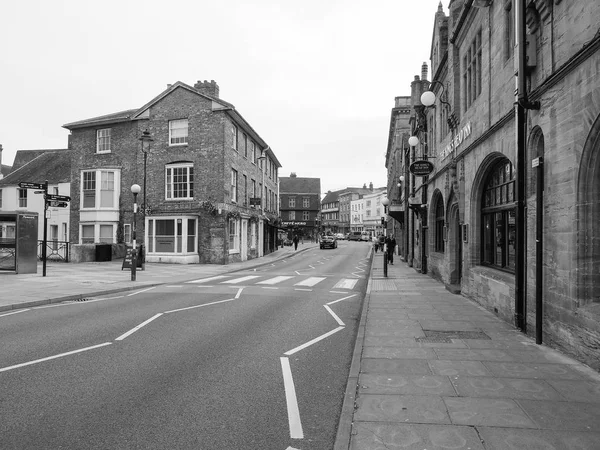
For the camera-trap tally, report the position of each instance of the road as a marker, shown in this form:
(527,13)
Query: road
(256,359)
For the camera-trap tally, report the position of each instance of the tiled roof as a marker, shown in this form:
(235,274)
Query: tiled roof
(331,197)
(51,165)
(299,185)
(107,118)
(5,170)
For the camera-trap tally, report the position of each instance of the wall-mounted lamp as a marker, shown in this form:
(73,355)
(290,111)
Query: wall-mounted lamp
(413,141)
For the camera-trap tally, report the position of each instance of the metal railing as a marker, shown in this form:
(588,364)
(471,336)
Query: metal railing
(55,251)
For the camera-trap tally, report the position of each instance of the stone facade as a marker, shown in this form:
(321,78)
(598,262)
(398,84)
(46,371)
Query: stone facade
(473,135)
(196,185)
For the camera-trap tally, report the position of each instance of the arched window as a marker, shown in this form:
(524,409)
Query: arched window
(498,212)
(440,222)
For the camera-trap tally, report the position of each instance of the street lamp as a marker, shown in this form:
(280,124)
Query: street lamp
(146,139)
(135,190)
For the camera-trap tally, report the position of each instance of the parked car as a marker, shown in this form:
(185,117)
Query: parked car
(354,236)
(365,237)
(340,236)
(328,241)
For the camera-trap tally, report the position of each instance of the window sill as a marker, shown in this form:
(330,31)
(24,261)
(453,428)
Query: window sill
(103,153)
(234,252)
(183,199)
(179,145)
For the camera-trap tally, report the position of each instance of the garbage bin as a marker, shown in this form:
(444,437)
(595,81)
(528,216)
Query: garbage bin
(103,252)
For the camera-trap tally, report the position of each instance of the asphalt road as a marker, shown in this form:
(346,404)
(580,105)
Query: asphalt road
(246,360)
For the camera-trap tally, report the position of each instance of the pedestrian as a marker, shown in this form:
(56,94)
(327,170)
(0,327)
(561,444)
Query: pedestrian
(391,246)
(375,243)
(295,242)
(381,241)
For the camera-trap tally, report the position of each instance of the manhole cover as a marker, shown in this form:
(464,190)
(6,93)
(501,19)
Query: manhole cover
(437,334)
(427,340)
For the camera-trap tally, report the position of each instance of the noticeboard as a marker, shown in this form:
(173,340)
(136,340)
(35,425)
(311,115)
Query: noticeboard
(128,260)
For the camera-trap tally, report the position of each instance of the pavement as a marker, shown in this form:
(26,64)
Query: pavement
(430,370)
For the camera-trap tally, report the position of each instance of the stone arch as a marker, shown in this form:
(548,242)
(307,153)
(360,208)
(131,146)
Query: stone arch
(588,219)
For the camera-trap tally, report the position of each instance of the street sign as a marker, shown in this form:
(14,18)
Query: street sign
(254,201)
(39,192)
(60,198)
(58,204)
(30,185)
(421,168)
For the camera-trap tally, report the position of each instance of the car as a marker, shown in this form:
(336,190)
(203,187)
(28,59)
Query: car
(328,241)
(354,236)
(340,236)
(365,237)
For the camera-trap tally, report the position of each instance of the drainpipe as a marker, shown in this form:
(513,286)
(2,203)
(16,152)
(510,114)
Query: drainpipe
(539,228)
(521,105)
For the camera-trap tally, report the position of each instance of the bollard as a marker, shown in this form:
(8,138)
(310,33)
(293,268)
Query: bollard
(385,264)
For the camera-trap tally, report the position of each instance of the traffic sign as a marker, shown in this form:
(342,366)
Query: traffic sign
(58,204)
(30,185)
(60,198)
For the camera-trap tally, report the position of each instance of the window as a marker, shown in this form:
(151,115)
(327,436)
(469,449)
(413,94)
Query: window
(509,30)
(306,202)
(179,181)
(103,140)
(0,198)
(54,236)
(89,189)
(253,187)
(498,212)
(106,234)
(245,190)
(472,71)
(22,198)
(172,235)
(178,132)
(87,234)
(305,215)
(253,152)
(234,136)
(253,235)
(234,236)
(234,185)
(127,233)
(245,145)
(439,225)
(105,190)
(292,215)
(64,232)
(292,202)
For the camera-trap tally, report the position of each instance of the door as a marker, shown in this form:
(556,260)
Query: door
(244,240)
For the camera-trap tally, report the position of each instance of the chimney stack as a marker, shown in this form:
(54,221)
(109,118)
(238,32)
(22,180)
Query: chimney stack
(424,70)
(371,186)
(210,88)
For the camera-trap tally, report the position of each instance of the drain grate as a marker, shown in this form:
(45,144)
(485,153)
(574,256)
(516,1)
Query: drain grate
(437,334)
(428,340)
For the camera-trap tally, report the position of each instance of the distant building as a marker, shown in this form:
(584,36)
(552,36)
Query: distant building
(300,204)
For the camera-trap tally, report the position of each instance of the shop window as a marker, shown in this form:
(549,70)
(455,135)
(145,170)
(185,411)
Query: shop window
(440,222)
(498,213)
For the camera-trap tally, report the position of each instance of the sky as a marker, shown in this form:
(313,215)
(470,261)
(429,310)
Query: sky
(316,79)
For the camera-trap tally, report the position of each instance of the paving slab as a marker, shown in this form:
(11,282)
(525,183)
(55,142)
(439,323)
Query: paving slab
(497,387)
(519,439)
(453,368)
(401,408)
(533,370)
(488,412)
(405,384)
(403,366)
(566,415)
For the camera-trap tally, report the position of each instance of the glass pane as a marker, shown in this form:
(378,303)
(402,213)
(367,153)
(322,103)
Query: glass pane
(512,242)
(488,236)
(499,257)
(106,234)
(106,199)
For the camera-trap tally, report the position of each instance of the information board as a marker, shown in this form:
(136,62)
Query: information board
(128,260)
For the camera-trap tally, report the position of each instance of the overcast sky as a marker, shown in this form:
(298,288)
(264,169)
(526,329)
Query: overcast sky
(316,79)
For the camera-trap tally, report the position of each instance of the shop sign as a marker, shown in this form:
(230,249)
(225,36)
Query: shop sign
(459,137)
(421,168)
(293,224)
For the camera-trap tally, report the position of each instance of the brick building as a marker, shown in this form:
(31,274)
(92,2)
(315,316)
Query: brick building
(204,164)
(468,212)
(300,205)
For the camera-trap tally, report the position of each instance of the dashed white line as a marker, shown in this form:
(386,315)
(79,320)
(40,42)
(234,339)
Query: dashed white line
(16,366)
(143,290)
(291,400)
(133,330)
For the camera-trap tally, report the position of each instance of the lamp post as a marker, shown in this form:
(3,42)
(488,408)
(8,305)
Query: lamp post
(145,139)
(385,202)
(135,190)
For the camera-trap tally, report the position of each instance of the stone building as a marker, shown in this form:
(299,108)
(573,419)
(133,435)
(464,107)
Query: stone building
(510,215)
(198,166)
(300,204)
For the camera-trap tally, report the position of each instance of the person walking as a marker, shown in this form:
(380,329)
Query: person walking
(381,242)
(391,246)
(295,242)
(375,242)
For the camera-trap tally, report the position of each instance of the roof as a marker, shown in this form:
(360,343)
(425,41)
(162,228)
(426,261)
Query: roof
(4,169)
(121,116)
(299,185)
(51,165)
(331,197)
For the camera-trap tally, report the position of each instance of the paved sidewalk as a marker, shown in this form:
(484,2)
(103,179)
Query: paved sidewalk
(433,370)
(70,281)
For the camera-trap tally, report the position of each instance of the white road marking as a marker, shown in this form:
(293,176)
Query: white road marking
(291,400)
(314,341)
(345,283)
(4,369)
(275,280)
(239,292)
(174,286)
(305,290)
(311,281)
(239,280)
(14,312)
(337,292)
(204,280)
(340,299)
(143,290)
(200,306)
(337,319)
(271,287)
(133,330)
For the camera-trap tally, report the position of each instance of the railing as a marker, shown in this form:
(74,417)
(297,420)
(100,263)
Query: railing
(55,250)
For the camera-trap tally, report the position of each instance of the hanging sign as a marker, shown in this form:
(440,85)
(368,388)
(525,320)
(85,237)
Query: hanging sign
(421,168)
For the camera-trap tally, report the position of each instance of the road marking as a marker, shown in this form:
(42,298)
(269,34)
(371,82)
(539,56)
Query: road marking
(271,287)
(337,292)
(139,292)
(4,369)
(346,283)
(15,312)
(311,281)
(340,299)
(337,319)
(239,280)
(204,280)
(291,400)
(200,306)
(239,292)
(305,290)
(314,341)
(275,280)
(133,330)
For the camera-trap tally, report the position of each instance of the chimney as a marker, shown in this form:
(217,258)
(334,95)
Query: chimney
(364,185)
(371,186)
(210,88)
(424,71)
(293,175)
